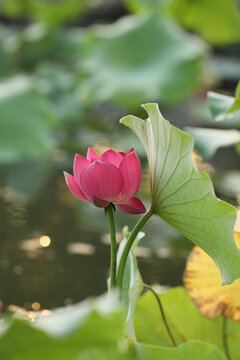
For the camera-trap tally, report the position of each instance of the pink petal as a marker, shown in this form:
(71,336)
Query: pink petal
(112,157)
(79,164)
(123,154)
(74,188)
(132,206)
(91,155)
(130,168)
(101,180)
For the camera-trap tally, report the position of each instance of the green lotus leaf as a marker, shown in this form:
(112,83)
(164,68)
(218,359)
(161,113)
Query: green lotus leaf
(138,58)
(184,197)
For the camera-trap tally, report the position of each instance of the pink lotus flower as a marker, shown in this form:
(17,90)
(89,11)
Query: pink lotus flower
(114,177)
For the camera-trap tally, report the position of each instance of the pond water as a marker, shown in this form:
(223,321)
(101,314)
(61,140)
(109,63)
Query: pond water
(54,248)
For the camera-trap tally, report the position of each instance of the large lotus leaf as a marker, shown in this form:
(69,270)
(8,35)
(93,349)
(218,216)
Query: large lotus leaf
(196,350)
(218,21)
(139,58)
(184,197)
(207,141)
(25,121)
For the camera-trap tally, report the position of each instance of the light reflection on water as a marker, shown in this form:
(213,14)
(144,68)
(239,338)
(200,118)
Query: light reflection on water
(51,254)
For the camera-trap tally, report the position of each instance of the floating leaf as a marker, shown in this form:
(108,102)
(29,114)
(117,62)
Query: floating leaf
(202,281)
(218,21)
(164,62)
(207,141)
(184,197)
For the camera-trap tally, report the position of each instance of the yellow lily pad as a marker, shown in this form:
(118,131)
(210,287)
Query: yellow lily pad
(202,281)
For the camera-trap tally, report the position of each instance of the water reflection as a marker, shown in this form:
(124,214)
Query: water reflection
(52,255)
(81,249)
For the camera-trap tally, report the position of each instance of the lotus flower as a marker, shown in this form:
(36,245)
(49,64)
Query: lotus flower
(114,177)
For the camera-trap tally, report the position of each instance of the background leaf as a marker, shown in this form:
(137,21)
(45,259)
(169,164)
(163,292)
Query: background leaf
(207,141)
(218,21)
(25,121)
(164,62)
(223,109)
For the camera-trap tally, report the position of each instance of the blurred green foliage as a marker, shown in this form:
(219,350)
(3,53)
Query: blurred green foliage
(53,13)
(224,112)
(225,109)
(93,330)
(218,21)
(25,130)
(77,70)
(164,62)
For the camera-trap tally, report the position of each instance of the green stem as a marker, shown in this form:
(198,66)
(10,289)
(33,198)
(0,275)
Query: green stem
(128,246)
(224,337)
(113,264)
(162,313)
